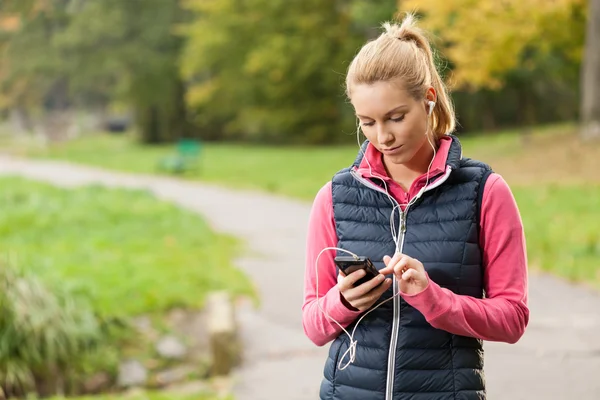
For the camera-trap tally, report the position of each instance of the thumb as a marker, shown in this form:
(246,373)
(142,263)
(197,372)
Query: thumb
(386,260)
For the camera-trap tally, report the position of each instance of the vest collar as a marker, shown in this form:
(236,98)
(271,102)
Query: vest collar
(368,162)
(454,153)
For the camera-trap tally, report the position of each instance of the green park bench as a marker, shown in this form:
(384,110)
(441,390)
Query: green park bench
(186,157)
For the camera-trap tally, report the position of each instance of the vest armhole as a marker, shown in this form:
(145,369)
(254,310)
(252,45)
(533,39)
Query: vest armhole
(480,191)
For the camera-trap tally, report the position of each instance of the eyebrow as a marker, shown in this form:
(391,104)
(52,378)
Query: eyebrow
(388,113)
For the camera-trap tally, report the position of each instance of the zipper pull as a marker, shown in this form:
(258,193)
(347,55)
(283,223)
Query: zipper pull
(403,221)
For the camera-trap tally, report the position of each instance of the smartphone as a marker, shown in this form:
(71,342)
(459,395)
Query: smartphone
(349,264)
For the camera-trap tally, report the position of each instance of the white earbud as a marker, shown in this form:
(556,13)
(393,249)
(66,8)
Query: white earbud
(431,105)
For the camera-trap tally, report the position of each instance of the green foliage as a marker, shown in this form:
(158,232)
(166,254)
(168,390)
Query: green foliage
(273,71)
(48,334)
(513,62)
(280,83)
(131,253)
(130,47)
(562,230)
(98,52)
(29,67)
(367,16)
(486,39)
(86,259)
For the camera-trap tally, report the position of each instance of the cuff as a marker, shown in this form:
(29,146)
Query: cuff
(338,310)
(431,302)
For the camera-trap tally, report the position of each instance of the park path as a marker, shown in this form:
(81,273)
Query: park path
(558,358)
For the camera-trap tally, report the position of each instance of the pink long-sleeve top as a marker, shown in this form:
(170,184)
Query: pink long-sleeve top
(501,316)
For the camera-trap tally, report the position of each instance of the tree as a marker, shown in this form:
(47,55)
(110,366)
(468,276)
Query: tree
(128,51)
(252,70)
(29,68)
(532,48)
(67,53)
(590,80)
(269,70)
(33,74)
(485,39)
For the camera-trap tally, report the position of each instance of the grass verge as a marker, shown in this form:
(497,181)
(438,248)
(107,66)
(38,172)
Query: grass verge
(86,260)
(132,253)
(552,173)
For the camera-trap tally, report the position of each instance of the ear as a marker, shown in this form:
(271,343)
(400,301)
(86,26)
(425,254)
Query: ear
(431,95)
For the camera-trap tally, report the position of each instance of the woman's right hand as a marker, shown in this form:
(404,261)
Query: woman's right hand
(364,296)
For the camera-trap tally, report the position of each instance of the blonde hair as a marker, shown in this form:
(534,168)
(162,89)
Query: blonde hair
(403,52)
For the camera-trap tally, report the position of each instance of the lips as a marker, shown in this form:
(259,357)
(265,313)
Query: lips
(391,150)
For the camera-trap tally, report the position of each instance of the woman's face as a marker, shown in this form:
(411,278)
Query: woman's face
(392,120)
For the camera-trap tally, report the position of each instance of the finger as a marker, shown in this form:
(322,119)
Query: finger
(410,274)
(351,279)
(414,264)
(386,270)
(369,285)
(384,286)
(392,260)
(389,268)
(386,260)
(401,266)
(376,293)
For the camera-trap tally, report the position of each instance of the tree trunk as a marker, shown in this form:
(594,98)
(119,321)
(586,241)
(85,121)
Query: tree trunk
(164,123)
(488,117)
(147,120)
(590,76)
(178,118)
(526,111)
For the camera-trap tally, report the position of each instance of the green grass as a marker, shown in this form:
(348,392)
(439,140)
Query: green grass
(562,226)
(548,209)
(131,252)
(296,171)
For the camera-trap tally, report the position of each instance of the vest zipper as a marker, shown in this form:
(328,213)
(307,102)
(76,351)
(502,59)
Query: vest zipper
(389,394)
(389,390)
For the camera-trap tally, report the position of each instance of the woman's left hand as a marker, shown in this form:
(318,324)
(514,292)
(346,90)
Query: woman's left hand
(409,272)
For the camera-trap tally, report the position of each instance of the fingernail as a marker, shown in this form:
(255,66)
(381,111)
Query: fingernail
(381,277)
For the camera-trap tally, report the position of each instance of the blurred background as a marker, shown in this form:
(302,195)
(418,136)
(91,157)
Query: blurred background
(101,286)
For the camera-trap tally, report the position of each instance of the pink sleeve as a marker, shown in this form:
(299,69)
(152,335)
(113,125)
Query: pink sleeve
(322,234)
(503,315)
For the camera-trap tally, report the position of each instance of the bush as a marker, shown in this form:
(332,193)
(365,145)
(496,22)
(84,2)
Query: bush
(48,336)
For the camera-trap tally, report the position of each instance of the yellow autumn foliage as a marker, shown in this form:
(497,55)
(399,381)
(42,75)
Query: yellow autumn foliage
(485,39)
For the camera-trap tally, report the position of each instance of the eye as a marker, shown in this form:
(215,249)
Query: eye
(400,118)
(368,123)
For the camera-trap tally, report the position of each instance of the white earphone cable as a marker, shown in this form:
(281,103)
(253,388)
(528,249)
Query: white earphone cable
(352,347)
(351,351)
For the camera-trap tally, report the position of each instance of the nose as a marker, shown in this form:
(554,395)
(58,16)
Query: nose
(384,135)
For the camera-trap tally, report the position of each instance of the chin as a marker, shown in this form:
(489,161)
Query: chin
(397,158)
(401,157)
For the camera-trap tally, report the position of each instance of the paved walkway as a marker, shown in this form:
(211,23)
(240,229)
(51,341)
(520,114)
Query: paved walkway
(558,358)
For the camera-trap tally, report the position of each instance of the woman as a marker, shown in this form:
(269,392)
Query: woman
(444,232)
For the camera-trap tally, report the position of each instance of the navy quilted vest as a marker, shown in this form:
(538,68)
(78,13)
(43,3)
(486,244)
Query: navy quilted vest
(399,355)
